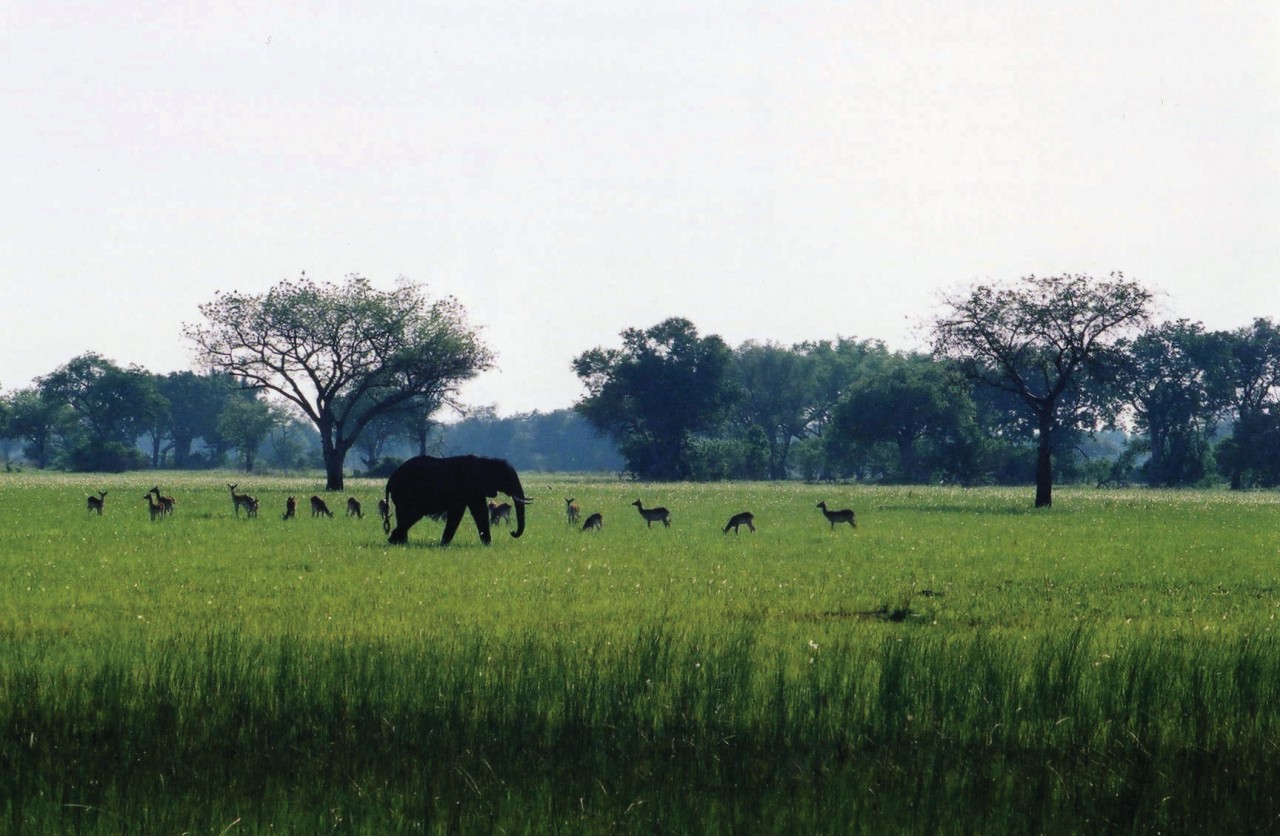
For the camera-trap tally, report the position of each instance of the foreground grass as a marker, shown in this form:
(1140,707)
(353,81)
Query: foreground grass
(959,663)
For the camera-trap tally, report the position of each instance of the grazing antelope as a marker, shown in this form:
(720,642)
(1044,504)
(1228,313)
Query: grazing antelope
(95,503)
(243,500)
(652,514)
(318,508)
(154,505)
(572,511)
(353,508)
(842,516)
(745,518)
(384,511)
(167,501)
(500,512)
(595,521)
(290,508)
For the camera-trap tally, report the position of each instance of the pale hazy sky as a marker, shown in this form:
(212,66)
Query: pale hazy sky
(779,171)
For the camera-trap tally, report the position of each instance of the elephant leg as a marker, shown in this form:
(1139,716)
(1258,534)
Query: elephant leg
(451,525)
(400,534)
(480,513)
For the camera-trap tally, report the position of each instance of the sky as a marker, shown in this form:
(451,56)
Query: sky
(776,172)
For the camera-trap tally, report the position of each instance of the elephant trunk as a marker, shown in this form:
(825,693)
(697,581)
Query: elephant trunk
(519,503)
(518,499)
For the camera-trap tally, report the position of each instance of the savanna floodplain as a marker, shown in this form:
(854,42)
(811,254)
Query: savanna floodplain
(959,662)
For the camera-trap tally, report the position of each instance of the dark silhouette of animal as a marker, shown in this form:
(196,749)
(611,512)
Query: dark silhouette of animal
(652,515)
(572,511)
(429,486)
(745,518)
(243,500)
(501,511)
(167,501)
(595,521)
(842,516)
(290,508)
(319,509)
(154,505)
(353,508)
(95,503)
(384,511)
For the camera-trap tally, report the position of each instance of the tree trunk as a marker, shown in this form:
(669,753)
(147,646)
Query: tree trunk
(1044,458)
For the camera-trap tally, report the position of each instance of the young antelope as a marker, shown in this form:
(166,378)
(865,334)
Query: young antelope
(95,503)
(353,508)
(842,516)
(319,509)
(154,505)
(501,512)
(652,515)
(572,511)
(243,500)
(290,508)
(595,521)
(745,518)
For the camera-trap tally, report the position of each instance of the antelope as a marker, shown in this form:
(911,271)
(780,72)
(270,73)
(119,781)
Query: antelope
(595,521)
(353,508)
(652,514)
(154,505)
(572,511)
(243,500)
(290,508)
(318,508)
(500,512)
(384,511)
(167,501)
(842,516)
(95,503)
(745,518)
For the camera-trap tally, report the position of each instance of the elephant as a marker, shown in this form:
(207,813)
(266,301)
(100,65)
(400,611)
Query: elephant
(429,486)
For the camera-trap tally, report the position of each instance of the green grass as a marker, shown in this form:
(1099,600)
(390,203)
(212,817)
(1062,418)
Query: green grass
(958,663)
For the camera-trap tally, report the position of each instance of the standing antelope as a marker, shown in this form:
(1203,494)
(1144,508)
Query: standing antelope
(745,518)
(95,503)
(595,521)
(353,508)
(154,505)
(572,511)
(318,508)
(290,508)
(652,514)
(843,516)
(167,501)
(500,512)
(243,500)
(384,511)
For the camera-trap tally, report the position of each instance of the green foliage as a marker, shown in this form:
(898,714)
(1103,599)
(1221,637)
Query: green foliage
(665,385)
(958,663)
(1047,341)
(342,354)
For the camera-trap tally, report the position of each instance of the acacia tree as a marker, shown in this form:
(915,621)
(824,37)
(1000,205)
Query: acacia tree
(343,354)
(664,385)
(1043,339)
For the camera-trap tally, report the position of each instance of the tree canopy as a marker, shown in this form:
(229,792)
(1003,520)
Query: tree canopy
(342,354)
(1040,339)
(665,384)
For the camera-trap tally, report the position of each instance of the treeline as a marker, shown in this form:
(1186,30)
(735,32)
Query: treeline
(1175,405)
(1171,405)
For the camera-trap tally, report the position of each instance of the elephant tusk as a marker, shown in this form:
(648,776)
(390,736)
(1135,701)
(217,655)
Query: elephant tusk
(522,500)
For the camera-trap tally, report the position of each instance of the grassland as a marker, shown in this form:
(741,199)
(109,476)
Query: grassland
(958,663)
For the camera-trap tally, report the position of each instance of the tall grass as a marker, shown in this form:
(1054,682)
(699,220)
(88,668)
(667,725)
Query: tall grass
(957,664)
